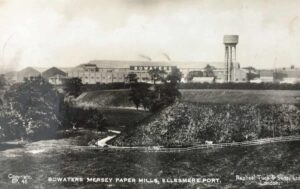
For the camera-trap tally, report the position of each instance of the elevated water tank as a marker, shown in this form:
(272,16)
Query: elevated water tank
(231,39)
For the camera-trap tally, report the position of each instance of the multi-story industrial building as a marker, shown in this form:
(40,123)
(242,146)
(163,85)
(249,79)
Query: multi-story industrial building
(92,74)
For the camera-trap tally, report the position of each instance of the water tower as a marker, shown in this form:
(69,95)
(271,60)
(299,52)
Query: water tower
(230,42)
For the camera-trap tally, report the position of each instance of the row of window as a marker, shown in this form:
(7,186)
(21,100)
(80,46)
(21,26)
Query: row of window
(102,78)
(101,70)
(78,74)
(111,78)
(166,68)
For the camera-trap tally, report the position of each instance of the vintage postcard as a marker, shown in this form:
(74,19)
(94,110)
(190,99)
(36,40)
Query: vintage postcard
(149,94)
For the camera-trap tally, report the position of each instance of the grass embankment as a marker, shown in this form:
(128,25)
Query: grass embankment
(105,99)
(217,115)
(116,107)
(123,118)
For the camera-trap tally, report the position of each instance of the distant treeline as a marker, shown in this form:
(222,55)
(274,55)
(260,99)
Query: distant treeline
(253,86)
(103,86)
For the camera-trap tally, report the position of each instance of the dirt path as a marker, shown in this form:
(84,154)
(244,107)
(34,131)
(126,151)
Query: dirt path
(206,146)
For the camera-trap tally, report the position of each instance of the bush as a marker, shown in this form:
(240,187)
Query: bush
(188,123)
(37,105)
(11,126)
(34,109)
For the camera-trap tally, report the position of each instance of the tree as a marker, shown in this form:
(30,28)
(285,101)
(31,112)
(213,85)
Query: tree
(37,104)
(132,78)
(209,71)
(157,75)
(251,73)
(168,92)
(193,74)
(250,76)
(174,77)
(140,94)
(72,86)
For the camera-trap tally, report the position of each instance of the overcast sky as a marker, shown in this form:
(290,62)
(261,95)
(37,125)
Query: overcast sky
(69,32)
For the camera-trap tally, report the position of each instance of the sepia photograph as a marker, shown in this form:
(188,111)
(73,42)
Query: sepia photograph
(149,94)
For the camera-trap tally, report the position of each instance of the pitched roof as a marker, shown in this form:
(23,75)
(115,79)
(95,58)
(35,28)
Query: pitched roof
(28,70)
(52,72)
(128,63)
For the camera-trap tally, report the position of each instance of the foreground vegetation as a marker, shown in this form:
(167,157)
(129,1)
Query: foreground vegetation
(184,123)
(35,110)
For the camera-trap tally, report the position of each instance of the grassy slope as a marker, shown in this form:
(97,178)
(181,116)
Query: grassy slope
(177,125)
(117,118)
(105,98)
(111,103)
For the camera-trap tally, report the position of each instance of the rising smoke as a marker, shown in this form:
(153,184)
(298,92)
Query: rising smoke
(145,57)
(166,56)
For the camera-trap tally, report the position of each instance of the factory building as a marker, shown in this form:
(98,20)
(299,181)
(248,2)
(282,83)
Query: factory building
(198,69)
(92,74)
(104,71)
